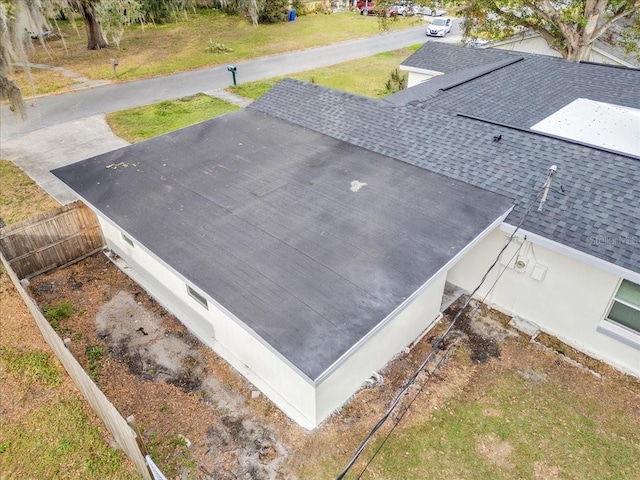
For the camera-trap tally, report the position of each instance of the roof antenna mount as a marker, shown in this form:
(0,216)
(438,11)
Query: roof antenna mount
(547,184)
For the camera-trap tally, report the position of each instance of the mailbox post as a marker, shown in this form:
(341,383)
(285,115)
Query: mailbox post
(114,65)
(233,71)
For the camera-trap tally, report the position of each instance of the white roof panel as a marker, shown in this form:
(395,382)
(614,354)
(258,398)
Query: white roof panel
(596,123)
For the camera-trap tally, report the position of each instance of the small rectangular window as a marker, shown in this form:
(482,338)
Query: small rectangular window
(625,310)
(197,297)
(127,239)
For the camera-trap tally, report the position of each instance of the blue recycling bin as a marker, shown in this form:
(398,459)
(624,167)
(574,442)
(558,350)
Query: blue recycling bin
(292,15)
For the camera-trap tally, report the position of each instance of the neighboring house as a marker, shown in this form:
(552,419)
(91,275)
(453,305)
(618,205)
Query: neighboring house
(308,253)
(431,62)
(435,59)
(601,52)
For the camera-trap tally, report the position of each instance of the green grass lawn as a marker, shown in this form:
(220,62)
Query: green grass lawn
(365,76)
(524,418)
(512,430)
(56,440)
(141,123)
(182,45)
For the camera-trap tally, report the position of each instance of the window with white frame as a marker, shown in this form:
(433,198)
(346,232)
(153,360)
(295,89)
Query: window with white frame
(198,297)
(625,310)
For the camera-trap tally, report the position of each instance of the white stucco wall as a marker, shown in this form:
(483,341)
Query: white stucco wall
(377,350)
(570,301)
(291,391)
(304,401)
(216,328)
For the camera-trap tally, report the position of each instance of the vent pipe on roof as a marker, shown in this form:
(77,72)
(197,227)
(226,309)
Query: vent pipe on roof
(547,184)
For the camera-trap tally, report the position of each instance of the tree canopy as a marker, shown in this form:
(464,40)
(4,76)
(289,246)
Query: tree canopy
(17,18)
(570,27)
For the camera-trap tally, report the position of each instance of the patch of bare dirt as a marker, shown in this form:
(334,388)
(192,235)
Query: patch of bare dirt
(542,471)
(495,450)
(202,420)
(192,408)
(213,422)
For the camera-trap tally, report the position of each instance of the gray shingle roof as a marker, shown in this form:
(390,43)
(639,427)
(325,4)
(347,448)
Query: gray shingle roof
(599,213)
(528,91)
(436,85)
(447,58)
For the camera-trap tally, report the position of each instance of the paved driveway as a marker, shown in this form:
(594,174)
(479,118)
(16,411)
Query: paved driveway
(42,150)
(63,129)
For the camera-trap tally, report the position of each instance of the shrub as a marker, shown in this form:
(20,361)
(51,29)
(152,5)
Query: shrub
(273,11)
(299,6)
(397,81)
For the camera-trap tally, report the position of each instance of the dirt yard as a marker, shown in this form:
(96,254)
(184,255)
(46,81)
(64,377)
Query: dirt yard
(200,419)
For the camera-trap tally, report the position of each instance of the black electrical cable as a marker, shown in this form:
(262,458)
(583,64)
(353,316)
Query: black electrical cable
(435,346)
(399,419)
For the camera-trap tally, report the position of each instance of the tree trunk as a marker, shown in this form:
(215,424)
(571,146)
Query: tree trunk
(12,93)
(95,38)
(578,53)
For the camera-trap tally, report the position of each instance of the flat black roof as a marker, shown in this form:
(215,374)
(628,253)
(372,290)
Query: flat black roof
(308,240)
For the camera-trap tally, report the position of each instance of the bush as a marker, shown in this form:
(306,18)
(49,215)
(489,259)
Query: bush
(162,11)
(273,11)
(299,6)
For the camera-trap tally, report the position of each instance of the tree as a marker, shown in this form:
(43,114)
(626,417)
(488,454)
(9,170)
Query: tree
(17,18)
(95,37)
(570,27)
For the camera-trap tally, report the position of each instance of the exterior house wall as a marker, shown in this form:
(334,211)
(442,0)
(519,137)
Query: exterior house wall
(376,350)
(289,389)
(278,380)
(526,44)
(569,299)
(418,75)
(536,44)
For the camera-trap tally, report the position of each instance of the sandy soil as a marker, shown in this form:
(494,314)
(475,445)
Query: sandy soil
(200,419)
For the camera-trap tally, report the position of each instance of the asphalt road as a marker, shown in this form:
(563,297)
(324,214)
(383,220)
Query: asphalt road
(58,109)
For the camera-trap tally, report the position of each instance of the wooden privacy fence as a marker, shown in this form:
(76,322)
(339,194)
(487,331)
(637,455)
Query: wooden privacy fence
(122,433)
(51,240)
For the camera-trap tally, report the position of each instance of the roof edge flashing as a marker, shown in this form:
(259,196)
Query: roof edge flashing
(400,308)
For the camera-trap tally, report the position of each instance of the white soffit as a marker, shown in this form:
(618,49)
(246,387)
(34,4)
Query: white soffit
(596,123)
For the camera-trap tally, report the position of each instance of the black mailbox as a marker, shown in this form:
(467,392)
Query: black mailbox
(233,69)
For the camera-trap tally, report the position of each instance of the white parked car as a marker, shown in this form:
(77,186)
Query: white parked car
(404,10)
(432,12)
(439,27)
